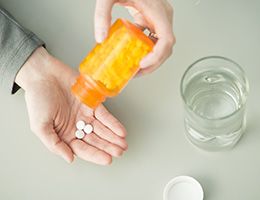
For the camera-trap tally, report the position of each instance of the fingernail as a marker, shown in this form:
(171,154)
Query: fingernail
(100,36)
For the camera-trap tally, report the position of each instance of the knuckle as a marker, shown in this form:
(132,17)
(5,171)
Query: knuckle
(172,40)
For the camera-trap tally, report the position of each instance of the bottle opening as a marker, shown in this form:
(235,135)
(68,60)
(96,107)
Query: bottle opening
(87,93)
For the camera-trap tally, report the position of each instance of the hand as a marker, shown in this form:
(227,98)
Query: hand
(157,15)
(53,112)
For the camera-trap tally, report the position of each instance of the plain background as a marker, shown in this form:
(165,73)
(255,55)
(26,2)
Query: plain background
(149,107)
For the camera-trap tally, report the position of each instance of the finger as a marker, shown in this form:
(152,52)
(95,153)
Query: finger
(145,71)
(90,153)
(102,114)
(161,51)
(138,17)
(102,19)
(52,141)
(101,144)
(155,59)
(106,134)
(162,24)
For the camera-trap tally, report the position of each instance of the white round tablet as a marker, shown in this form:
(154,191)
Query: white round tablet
(80,125)
(88,128)
(79,134)
(183,188)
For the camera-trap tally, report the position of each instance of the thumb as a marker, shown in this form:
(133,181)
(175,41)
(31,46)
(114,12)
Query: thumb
(102,18)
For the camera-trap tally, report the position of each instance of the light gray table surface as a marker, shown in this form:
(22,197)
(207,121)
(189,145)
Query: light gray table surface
(149,107)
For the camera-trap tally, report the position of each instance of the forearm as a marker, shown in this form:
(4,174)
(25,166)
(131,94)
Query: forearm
(16,45)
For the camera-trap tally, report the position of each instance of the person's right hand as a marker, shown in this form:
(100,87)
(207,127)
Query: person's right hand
(156,15)
(53,112)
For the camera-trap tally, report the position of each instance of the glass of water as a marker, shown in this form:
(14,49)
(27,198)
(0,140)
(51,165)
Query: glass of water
(214,90)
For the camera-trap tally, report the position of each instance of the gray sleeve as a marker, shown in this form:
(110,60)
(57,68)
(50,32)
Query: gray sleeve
(16,45)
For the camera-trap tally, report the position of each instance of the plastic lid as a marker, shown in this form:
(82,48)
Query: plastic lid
(183,188)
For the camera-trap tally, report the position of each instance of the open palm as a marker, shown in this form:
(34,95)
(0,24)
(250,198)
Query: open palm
(53,112)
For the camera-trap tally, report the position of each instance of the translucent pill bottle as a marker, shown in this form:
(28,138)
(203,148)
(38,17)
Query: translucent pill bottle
(111,64)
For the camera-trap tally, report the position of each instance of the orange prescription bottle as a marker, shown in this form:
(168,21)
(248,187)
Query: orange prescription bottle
(111,64)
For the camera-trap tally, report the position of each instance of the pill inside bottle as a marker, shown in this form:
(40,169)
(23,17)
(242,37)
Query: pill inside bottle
(110,65)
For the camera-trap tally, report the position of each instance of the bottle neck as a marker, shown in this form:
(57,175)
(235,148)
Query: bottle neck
(87,92)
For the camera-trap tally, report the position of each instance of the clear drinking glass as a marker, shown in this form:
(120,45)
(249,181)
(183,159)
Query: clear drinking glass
(214,90)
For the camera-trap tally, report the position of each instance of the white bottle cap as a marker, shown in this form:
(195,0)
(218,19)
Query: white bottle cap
(183,188)
(80,125)
(88,128)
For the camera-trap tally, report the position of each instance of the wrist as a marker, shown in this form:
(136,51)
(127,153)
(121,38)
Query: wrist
(35,69)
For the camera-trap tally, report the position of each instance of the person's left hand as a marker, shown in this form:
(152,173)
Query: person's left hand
(53,112)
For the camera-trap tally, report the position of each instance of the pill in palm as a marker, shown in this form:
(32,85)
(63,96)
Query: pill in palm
(80,125)
(79,134)
(88,128)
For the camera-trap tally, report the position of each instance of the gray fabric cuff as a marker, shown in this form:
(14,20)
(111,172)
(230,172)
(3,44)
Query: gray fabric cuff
(19,57)
(16,45)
